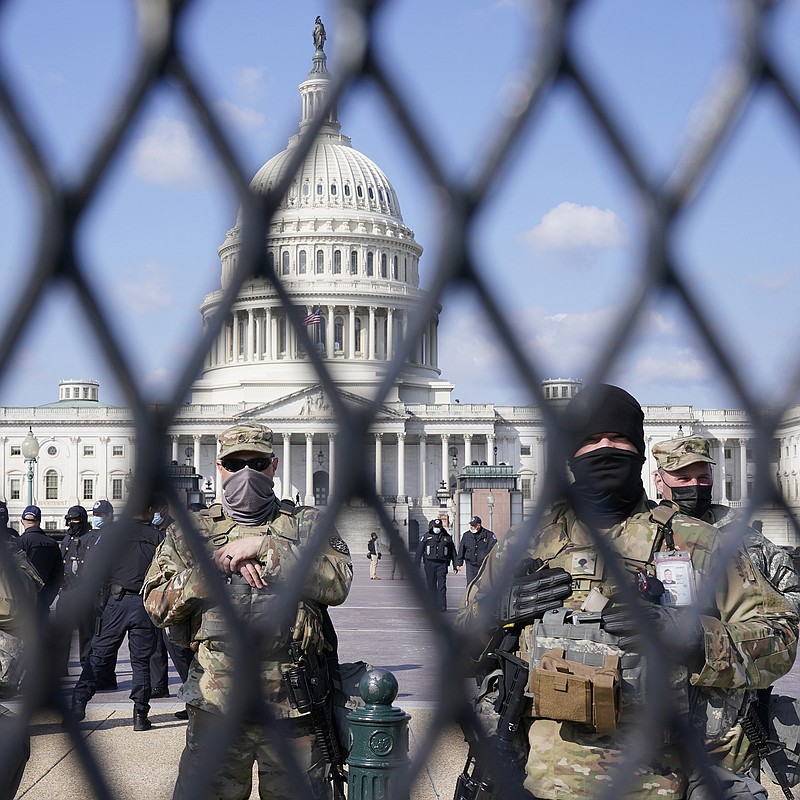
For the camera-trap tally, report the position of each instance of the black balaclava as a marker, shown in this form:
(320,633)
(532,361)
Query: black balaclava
(608,481)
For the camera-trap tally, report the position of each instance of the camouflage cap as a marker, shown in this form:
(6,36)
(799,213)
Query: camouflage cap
(249,437)
(674,454)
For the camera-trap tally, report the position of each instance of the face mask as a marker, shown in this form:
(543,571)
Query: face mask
(248,497)
(157,519)
(97,522)
(692,500)
(74,527)
(608,484)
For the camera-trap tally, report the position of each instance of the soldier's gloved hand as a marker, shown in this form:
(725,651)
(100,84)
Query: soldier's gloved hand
(533,591)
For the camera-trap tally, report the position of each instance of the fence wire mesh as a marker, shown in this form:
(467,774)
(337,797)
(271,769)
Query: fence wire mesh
(552,61)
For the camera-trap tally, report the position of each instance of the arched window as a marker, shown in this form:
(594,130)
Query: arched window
(320,262)
(354,262)
(360,191)
(395,269)
(301,269)
(347,190)
(242,335)
(338,335)
(319,190)
(285,262)
(371,193)
(333,190)
(51,485)
(358,335)
(306,189)
(383,265)
(370,264)
(337,262)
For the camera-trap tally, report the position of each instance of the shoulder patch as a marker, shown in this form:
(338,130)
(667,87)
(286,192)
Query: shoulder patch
(339,545)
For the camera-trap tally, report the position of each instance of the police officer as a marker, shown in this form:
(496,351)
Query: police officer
(436,550)
(255,542)
(134,545)
(725,633)
(72,611)
(476,542)
(42,551)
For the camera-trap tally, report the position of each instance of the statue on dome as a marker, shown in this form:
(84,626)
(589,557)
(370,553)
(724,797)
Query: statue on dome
(319,34)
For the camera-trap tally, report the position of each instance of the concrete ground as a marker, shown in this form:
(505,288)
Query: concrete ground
(382,623)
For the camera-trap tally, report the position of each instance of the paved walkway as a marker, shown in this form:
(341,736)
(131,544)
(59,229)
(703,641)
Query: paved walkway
(382,623)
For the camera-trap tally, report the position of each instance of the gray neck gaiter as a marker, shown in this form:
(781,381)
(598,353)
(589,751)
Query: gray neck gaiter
(248,496)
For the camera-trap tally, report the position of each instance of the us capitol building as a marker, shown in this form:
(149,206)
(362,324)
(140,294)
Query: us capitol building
(340,245)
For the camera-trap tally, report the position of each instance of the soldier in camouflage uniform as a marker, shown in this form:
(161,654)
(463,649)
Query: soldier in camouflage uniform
(255,542)
(684,476)
(746,639)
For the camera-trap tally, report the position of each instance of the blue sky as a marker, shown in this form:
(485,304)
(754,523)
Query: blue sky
(559,238)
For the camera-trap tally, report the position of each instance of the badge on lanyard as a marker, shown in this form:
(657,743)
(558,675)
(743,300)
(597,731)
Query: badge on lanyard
(674,569)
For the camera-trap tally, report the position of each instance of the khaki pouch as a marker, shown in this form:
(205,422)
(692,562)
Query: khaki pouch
(569,691)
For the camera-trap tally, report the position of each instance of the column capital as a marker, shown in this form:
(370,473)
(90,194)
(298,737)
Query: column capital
(445,438)
(332,436)
(467,437)
(286,436)
(378,436)
(197,437)
(401,436)
(309,436)
(743,442)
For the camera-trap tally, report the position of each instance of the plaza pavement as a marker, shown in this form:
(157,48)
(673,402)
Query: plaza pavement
(381,623)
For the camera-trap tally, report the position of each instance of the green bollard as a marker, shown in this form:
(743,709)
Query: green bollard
(378,762)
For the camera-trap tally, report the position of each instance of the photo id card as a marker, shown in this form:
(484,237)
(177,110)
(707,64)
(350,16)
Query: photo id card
(674,569)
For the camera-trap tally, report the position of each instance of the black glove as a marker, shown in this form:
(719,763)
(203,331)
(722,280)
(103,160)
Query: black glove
(677,626)
(533,591)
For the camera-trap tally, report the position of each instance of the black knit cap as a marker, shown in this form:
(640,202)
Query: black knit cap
(604,409)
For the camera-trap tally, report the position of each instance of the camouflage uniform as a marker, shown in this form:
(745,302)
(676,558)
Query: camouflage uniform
(748,645)
(177,596)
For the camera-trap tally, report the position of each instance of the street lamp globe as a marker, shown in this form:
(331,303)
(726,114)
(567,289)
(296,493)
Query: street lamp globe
(30,446)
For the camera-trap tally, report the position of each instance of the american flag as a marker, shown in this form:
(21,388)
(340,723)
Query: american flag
(315,317)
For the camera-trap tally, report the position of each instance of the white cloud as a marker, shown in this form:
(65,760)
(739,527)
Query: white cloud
(243,118)
(168,153)
(570,226)
(147,291)
(249,81)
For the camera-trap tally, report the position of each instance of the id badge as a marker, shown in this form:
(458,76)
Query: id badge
(674,569)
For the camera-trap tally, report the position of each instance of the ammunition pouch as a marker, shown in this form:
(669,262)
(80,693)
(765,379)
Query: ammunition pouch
(566,690)
(250,606)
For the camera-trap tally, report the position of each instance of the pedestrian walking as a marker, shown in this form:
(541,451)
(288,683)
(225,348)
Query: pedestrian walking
(476,542)
(436,550)
(43,552)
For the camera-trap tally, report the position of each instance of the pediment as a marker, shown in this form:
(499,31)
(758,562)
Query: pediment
(311,403)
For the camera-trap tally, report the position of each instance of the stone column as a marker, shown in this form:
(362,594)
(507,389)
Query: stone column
(248,329)
(175,440)
(445,443)
(103,456)
(309,500)
(389,334)
(269,334)
(721,477)
(490,459)
(423,466)
(743,465)
(467,449)
(371,334)
(196,450)
(351,333)
(286,489)
(401,464)
(379,463)
(259,337)
(235,337)
(329,332)
(331,462)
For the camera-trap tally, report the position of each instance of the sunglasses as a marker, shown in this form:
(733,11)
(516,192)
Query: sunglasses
(235,464)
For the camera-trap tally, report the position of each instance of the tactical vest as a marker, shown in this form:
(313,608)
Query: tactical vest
(437,548)
(251,606)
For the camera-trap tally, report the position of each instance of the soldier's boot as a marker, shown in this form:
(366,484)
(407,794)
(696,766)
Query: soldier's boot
(141,722)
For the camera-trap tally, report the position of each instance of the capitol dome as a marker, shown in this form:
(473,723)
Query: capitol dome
(339,245)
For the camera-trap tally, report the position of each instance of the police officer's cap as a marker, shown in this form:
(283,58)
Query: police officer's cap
(248,437)
(674,454)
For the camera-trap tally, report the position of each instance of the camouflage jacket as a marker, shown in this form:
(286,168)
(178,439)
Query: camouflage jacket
(773,561)
(176,592)
(749,641)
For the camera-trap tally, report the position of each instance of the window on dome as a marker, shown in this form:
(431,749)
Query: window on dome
(360,191)
(319,190)
(285,262)
(301,268)
(370,264)
(338,335)
(354,262)
(371,193)
(380,195)
(358,335)
(306,190)
(405,268)
(395,268)
(337,262)
(320,262)
(383,265)
(347,190)
(333,190)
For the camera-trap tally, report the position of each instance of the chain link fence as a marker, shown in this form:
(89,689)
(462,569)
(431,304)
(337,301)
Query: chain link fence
(552,61)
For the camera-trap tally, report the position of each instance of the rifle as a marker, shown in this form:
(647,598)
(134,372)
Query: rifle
(757,734)
(309,687)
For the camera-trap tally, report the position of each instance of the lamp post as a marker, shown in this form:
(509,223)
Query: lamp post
(30,452)
(490,503)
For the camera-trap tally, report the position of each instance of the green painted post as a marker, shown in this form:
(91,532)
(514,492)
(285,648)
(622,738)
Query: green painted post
(378,762)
